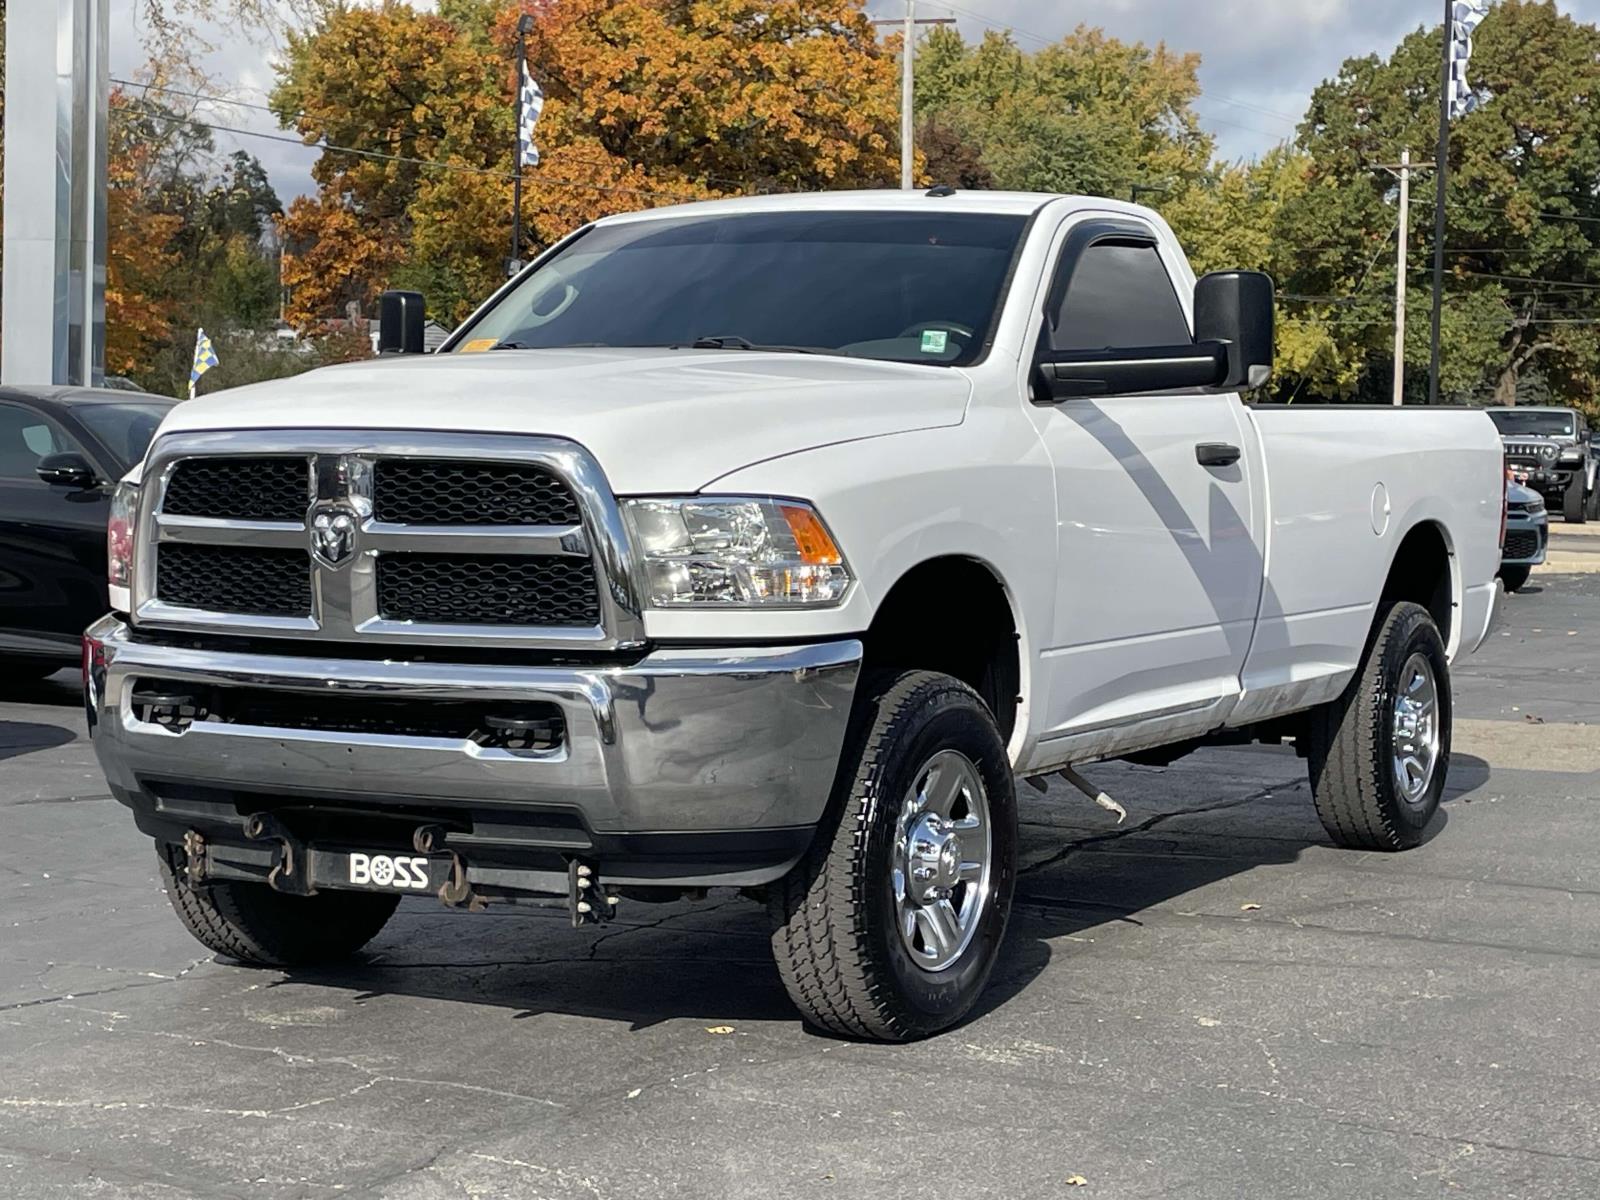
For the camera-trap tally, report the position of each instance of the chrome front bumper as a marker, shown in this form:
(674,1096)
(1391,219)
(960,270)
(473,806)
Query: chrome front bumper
(691,744)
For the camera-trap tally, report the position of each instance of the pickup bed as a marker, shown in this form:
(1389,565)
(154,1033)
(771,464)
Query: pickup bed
(765,544)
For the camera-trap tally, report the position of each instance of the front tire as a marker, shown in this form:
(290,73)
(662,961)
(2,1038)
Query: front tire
(1573,507)
(1380,753)
(1514,577)
(888,929)
(256,925)
(1591,508)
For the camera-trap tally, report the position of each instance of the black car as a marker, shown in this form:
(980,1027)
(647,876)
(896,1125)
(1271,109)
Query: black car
(61,451)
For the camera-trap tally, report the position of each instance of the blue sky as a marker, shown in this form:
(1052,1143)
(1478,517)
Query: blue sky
(1260,58)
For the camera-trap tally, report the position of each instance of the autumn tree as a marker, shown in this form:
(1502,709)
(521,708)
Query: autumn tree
(648,102)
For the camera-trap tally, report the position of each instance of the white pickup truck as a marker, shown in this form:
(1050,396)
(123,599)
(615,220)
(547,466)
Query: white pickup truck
(766,543)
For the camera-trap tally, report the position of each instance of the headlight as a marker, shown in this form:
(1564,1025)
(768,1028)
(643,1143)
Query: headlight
(734,552)
(119,543)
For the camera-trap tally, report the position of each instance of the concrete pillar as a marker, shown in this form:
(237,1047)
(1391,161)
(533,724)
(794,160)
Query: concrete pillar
(53,293)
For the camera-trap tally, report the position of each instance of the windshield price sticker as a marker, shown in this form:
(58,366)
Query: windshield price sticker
(934,341)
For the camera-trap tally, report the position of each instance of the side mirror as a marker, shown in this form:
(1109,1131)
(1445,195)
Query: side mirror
(67,469)
(400,318)
(1235,309)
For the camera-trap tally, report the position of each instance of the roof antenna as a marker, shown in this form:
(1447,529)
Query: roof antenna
(940,192)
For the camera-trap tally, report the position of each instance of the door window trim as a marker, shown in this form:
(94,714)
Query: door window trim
(1082,237)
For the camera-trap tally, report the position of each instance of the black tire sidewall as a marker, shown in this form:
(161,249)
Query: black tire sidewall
(1414,633)
(1574,504)
(1515,577)
(950,718)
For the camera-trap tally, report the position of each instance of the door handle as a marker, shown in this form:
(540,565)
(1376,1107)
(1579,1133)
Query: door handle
(1216,454)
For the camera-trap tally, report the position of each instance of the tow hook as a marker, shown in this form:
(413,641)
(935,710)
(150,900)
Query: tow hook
(456,891)
(587,897)
(287,876)
(194,856)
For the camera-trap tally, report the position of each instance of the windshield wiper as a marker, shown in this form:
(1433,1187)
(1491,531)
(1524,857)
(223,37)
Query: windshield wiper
(732,341)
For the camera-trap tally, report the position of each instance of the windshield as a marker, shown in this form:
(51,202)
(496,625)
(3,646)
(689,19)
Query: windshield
(1532,422)
(889,285)
(123,429)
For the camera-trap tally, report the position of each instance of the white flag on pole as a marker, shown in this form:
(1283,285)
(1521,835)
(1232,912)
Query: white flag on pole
(532,106)
(1465,16)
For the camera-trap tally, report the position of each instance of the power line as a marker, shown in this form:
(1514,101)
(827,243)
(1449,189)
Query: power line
(301,115)
(461,168)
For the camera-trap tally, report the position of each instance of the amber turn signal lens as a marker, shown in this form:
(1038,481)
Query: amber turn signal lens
(811,537)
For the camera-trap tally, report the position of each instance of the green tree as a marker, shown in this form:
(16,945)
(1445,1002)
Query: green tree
(1089,114)
(1523,246)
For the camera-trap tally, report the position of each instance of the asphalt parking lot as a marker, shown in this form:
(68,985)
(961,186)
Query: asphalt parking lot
(1209,1001)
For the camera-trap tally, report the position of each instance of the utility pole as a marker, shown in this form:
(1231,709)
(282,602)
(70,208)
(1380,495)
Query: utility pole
(1402,171)
(908,61)
(1400,280)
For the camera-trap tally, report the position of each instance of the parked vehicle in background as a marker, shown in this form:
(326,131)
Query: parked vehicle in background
(1551,450)
(764,543)
(1527,534)
(61,451)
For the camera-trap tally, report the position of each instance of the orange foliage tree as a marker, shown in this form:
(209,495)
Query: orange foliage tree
(648,102)
(139,309)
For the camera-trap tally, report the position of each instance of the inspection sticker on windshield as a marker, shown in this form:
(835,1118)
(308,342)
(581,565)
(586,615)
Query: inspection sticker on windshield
(479,345)
(934,340)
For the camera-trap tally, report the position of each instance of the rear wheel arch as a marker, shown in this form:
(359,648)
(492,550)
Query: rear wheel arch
(1424,571)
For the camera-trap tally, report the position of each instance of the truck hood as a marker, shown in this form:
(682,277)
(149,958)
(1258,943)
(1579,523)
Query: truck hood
(657,420)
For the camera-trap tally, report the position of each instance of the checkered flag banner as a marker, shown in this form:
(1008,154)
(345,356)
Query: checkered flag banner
(532,106)
(1464,18)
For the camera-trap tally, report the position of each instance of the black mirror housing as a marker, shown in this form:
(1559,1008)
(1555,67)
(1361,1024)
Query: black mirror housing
(67,468)
(400,320)
(1235,309)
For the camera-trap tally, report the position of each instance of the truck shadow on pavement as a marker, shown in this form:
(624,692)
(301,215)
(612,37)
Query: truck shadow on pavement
(1082,881)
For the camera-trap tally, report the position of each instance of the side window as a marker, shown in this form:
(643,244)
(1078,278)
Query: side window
(25,438)
(1119,297)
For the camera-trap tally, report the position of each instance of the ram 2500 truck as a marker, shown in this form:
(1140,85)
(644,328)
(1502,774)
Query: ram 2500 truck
(765,544)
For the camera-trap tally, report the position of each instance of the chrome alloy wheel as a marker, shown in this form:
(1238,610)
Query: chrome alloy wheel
(941,860)
(1416,729)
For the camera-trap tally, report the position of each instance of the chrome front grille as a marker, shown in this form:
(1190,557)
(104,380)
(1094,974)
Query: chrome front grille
(240,488)
(448,492)
(412,538)
(235,579)
(477,589)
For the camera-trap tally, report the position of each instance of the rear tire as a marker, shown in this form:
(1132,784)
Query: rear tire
(871,930)
(1514,577)
(256,925)
(1573,507)
(1366,748)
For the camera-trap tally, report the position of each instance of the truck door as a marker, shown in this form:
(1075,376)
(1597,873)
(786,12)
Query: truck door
(1159,540)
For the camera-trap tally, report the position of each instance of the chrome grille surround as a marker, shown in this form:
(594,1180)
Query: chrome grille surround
(344,603)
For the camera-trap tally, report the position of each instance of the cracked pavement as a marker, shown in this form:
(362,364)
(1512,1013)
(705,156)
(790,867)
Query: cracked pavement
(1208,1001)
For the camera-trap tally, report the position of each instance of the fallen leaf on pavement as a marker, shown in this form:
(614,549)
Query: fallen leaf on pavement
(1248,907)
(1076,1181)
(719,1028)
